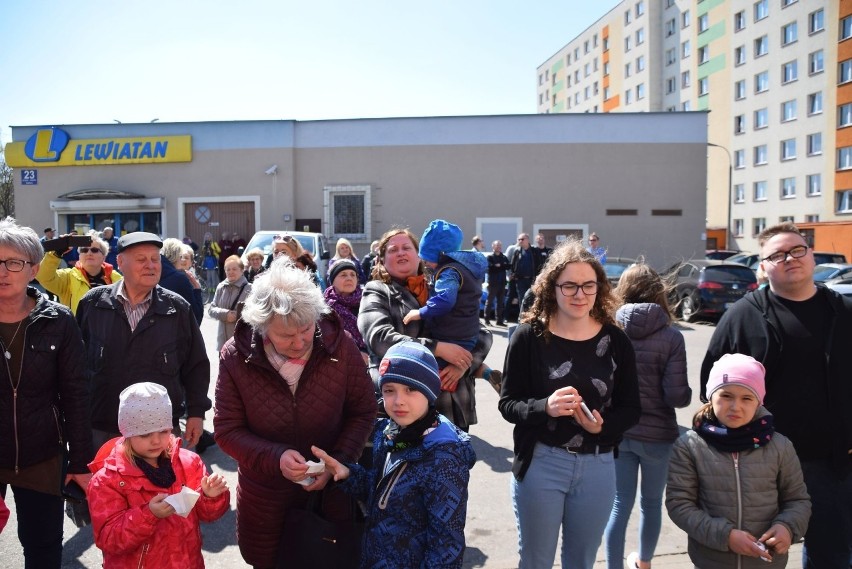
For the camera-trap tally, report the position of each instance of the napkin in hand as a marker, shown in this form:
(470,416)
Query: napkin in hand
(183,501)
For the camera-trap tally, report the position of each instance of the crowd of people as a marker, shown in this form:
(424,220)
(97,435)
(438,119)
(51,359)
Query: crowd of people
(361,388)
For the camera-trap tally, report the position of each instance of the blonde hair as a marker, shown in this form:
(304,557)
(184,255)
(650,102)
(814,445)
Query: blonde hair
(235,259)
(343,241)
(172,250)
(254,253)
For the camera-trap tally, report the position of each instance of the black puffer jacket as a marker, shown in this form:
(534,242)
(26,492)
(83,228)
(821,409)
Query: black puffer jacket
(661,366)
(52,406)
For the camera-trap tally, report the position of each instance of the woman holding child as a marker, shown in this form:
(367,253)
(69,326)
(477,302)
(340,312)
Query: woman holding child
(399,286)
(288,379)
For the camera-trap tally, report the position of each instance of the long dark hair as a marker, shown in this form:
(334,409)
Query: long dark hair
(640,283)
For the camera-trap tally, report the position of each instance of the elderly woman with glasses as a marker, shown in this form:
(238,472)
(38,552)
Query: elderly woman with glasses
(44,399)
(89,271)
(289,378)
(570,387)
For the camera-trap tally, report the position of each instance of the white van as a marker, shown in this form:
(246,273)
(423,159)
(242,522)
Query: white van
(314,243)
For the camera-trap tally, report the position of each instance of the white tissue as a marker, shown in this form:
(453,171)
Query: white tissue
(183,501)
(313,468)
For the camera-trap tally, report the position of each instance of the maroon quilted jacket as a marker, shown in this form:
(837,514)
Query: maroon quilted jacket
(257,418)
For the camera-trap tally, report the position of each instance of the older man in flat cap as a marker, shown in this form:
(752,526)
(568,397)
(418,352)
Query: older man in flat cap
(137,331)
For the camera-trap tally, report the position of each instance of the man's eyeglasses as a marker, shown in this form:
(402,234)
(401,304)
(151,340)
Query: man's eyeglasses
(796,252)
(87,249)
(570,289)
(15,265)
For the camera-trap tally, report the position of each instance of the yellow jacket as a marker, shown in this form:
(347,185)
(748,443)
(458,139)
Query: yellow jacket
(69,284)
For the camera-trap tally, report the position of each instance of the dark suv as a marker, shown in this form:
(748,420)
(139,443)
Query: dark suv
(707,288)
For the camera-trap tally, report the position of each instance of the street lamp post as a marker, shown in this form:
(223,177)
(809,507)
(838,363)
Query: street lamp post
(728,232)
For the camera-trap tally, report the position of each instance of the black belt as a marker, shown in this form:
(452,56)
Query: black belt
(589,449)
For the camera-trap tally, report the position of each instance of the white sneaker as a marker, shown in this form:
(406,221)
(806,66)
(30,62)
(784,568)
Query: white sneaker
(633,560)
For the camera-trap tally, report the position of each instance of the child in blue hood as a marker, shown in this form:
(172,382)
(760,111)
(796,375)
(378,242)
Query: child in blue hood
(416,492)
(452,310)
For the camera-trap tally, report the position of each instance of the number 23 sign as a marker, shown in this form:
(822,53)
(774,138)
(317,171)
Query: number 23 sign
(29,177)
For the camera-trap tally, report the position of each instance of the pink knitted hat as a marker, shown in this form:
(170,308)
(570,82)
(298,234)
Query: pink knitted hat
(737,369)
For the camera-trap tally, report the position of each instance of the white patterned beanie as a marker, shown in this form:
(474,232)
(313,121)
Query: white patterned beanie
(144,408)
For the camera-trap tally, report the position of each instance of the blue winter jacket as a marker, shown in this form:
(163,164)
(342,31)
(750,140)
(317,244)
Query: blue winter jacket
(452,310)
(416,512)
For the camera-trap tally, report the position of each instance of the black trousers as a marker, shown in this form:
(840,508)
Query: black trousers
(40,518)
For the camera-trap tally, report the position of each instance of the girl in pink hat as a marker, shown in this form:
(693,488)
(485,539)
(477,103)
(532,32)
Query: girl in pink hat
(735,485)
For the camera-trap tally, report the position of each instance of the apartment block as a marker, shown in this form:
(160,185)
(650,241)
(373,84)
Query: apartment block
(775,76)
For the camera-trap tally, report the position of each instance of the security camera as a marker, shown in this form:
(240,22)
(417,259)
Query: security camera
(272,170)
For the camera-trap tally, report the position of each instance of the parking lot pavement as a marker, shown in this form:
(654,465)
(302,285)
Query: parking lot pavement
(490,531)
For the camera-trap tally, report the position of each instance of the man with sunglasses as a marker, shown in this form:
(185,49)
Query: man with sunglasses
(802,333)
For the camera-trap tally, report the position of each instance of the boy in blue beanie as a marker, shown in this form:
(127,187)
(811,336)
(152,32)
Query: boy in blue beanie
(416,492)
(452,311)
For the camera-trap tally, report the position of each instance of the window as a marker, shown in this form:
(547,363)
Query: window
(788,188)
(540,79)
(671,27)
(640,63)
(595,64)
(703,23)
(628,17)
(628,96)
(686,106)
(671,85)
(627,43)
(640,36)
(758,224)
(577,76)
(788,110)
(761,118)
(586,46)
(628,69)
(761,46)
(816,21)
(760,155)
(541,98)
(788,149)
(606,44)
(816,62)
(586,93)
(606,68)
(844,201)
(761,10)
(607,93)
(739,124)
(785,219)
(789,33)
(685,50)
(739,193)
(814,184)
(576,53)
(595,40)
(790,71)
(815,103)
(586,70)
(703,86)
(640,8)
(671,56)
(684,80)
(740,90)
(739,55)
(739,227)
(785,3)
(569,80)
(670,3)
(759,189)
(761,82)
(684,19)
(815,144)
(739,21)
(739,159)
(595,87)
(845,73)
(640,91)
(348,209)
(846,28)
(844,115)
(703,54)
(844,158)
(812,218)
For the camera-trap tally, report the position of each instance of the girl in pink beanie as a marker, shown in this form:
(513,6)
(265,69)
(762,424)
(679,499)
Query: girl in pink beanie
(735,485)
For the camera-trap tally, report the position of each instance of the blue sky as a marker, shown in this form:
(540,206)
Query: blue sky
(185,60)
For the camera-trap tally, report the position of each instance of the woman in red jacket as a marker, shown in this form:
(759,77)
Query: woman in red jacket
(288,379)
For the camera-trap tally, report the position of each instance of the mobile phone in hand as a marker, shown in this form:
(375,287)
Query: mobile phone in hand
(588,413)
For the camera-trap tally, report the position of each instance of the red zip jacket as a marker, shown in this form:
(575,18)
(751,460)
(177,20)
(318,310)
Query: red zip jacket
(4,514)
(125,529)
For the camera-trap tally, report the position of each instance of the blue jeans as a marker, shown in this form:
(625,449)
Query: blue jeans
(574,491)
(828,541)
(653,460)
(40,518)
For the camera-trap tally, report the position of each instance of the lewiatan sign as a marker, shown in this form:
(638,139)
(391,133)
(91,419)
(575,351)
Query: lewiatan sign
(53,146)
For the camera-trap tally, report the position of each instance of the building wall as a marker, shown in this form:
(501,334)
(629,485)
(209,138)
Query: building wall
(636,179)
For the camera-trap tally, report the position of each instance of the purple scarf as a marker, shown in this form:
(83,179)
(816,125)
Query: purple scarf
(347,308)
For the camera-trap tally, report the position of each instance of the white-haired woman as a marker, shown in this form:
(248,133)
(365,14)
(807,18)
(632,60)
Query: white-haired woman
(89,271)
(178,281)
(288,379)
(44,399)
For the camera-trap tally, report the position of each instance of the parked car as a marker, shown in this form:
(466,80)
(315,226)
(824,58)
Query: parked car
(703,287)
(719,254)
(832,271)
(615,266)
(843,286)
(747,259)
(314,243)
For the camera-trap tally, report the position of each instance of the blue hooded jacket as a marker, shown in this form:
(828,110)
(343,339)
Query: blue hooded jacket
(453,307)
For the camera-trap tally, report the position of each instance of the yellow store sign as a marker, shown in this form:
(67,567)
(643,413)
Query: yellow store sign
(54,147)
